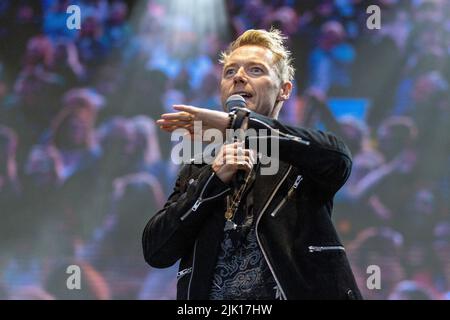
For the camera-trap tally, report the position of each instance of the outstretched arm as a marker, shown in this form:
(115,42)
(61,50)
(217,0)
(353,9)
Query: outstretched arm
(320,155)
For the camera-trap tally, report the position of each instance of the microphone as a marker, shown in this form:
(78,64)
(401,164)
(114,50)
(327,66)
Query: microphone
(233,102)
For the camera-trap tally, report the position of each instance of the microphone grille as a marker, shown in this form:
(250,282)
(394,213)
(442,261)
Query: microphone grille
(235,101)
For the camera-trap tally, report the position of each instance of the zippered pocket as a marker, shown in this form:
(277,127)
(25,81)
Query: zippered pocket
(183,272)
(325,248)
(200,199)
(288,196)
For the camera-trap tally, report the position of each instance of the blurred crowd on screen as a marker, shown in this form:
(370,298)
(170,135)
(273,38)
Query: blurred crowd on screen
(83,166)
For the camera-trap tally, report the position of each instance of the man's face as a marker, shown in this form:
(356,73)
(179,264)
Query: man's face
(250,72)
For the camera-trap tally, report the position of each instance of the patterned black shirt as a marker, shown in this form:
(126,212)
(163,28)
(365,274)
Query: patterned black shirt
(241,270)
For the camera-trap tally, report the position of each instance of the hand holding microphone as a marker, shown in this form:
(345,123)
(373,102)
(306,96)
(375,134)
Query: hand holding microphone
(237,106)
(229,162)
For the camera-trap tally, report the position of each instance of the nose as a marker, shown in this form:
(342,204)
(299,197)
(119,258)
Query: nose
(240,77)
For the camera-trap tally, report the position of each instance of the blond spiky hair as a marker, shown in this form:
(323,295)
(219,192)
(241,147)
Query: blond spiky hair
(272,40)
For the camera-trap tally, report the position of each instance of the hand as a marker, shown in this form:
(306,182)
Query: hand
(188,114)
(231,158)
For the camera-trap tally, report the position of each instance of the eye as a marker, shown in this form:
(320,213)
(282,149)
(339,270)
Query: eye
(229,72)
(256,70)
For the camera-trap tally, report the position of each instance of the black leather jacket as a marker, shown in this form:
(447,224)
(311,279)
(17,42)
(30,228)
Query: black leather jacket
(293,219)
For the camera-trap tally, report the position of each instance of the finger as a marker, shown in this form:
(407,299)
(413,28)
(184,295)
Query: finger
(232,162)
(238,152)
(177,127)
(232,145)
(222,161)
(238,157)
(250,164)
(240,145)
(229,147)
(237,144)
(244,166)
(232,159)
(175,123)
(236,149)
(182,107)
(172,126)
(166,127)
(179,116)
(165,115)
(235,164)
(229,159)
(168,123)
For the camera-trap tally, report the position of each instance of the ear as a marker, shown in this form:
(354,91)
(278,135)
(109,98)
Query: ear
(285,91)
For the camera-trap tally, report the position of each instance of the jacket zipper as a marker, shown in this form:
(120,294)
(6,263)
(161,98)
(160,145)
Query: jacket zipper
(194,208)
(200,200)
(324,248)
(288,196)
(183,272)
(290,136)
(192,270)
(257,236)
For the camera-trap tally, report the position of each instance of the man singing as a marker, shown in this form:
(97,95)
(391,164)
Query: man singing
(266,236)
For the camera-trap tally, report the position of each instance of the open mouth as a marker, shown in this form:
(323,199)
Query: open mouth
(245,95)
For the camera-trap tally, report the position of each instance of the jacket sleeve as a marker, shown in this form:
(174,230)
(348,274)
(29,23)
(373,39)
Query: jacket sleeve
(318,155)
(171,232)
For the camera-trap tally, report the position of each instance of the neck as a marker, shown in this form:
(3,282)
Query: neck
(276,110)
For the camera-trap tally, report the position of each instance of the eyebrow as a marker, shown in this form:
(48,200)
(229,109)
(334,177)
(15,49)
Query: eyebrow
(228,65)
